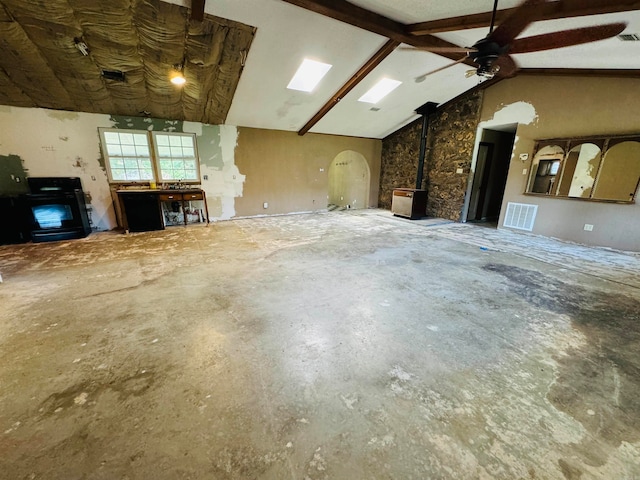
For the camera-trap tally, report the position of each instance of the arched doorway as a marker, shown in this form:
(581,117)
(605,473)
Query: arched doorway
(349,181)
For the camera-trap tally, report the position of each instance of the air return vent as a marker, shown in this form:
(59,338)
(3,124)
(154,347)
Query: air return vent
(116,75)
(629,37)
(520,215)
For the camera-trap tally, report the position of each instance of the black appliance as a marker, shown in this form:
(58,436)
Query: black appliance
(143,211)
(58,209)
(15,226)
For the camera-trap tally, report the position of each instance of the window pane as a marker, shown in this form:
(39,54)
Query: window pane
(188,152)
(190,164)
(140,139)
(126,138)
(111,137)
(130,163)
(116,163)
(162,140)
(187,141)
(114,150)
(133,175)
(142,150)
(176,152)
(146,174)
(190,175)
(165,164)
(164,152)
(118,174)
(175,141)
(128,150)
(145,163)
(177,165)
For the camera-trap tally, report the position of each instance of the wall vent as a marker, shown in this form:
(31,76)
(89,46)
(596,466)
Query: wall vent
(116,75)
(629,37)
(520,216)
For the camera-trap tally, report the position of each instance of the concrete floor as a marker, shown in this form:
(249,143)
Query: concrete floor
(348,345)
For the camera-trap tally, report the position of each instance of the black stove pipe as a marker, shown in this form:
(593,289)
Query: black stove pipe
(425,110)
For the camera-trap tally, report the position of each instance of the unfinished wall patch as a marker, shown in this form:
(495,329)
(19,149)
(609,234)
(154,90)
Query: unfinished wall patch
(60,115)
(13,175)
(209,147)
(519,112)
(147,123)
(221,179)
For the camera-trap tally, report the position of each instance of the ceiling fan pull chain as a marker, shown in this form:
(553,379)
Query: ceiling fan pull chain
(493,15)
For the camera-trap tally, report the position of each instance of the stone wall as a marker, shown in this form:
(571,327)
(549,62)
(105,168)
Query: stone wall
(452,134)
(450,143)
(400,152)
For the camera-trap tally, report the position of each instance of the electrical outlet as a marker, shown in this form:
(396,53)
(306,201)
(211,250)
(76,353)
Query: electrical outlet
(205,177)
(265,205)
(459,170)
(524,171)
(588,227)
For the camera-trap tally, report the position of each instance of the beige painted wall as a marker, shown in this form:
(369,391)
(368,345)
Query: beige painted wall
(291,172)
(560,107)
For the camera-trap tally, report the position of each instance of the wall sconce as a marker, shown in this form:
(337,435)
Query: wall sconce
(177,77)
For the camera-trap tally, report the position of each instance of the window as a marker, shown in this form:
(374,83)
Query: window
(130,158)
(176,155)
(597,168)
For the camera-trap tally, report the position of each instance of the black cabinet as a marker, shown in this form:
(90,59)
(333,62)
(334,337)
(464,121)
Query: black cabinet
(142,211)
(15,220)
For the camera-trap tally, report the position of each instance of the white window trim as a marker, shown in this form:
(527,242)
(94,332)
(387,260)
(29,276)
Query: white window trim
(155,160)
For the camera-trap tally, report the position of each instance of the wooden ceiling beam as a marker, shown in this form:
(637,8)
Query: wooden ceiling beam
(197,10)
(372,63)
(546,11)
(346,12)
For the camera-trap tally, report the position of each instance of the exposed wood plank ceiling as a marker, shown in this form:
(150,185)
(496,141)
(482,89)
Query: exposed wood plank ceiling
(41,66)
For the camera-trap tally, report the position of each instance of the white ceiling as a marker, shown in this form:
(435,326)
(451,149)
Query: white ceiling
(287,34)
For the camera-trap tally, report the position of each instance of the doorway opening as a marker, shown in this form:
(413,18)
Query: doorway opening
(490,175)
(349,181)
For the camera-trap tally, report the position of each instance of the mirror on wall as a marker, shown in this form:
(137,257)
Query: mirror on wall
(620,173)
(599,168)
(580,169)
(547,161)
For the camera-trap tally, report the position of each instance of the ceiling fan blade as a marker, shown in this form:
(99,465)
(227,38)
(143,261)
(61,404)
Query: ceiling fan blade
(507,66)
(440,49)
(422,77)
(515,23)
(566,38)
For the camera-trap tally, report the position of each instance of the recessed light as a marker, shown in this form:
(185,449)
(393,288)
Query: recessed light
(178,79)
(380,90)
(308,75)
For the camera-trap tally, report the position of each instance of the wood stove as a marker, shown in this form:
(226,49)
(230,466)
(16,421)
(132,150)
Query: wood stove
(58,209)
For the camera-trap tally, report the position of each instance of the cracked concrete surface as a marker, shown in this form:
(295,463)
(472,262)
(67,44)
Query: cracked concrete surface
(329,346)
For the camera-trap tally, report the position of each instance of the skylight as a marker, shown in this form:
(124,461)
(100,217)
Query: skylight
(380,90)
(308,75)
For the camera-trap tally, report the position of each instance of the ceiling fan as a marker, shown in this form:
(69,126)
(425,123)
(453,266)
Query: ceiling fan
(492,54)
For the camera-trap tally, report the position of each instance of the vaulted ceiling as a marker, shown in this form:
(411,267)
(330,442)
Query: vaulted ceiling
(240,57)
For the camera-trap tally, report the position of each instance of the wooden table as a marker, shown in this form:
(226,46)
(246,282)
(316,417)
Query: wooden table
(142,208)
